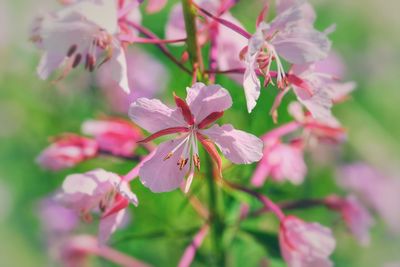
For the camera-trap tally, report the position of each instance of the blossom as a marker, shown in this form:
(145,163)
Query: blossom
(82,32)
(113,135)
(355,215)
(191,119)
(280,161)
(140,64)
(290,35)
(305,244)
(66,151)
(100,191)
(375,189)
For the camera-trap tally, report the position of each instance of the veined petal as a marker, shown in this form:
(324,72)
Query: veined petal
(251,84)
(237,146)
(163,175)
(154,116)
(300,45)
(204,100)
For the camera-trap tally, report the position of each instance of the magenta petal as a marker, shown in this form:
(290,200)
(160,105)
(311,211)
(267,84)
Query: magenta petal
(154,116)
(237,146)
(160,174)
(190,251)
(261,173)
(204,100)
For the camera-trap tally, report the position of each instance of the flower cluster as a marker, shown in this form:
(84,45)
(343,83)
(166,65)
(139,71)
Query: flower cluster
(287,51)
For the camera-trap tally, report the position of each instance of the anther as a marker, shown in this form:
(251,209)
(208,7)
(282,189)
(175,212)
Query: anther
(72,50)
(196,160)
(77,60)
(168,156)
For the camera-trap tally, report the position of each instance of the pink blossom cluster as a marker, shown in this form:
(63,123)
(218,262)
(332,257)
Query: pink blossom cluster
(286,51)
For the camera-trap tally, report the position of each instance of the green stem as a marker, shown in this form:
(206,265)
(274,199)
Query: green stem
(189,14)
(194,50)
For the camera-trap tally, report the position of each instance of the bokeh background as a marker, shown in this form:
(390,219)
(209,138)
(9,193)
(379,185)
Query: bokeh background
(31,110)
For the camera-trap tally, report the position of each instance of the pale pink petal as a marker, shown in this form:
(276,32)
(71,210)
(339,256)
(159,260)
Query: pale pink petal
(204,100)
(109,225)
(308,10)
(261,173)
(154,6)
(126,192)
(237,146)
(154,116)
(300,13)
(302,45)
(175,28)
(119,70)
(251,84)
(161,175)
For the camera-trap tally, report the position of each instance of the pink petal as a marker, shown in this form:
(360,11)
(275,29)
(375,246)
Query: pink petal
(160,174)
(119,69)
(302,45)
(237,146)
(190,251)
(154,6)
(307,9)
(154,116)
(260,174)
(204,100)
(109,225)
(175,28)
(251,84)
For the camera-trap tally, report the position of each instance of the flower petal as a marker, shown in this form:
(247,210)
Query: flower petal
(109,225)
(204,100)
(154,116)
(261,173)
(237,146)
(119,69)
(160,174)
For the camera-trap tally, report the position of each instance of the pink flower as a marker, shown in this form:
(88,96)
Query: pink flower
(66,151)
(377,190)
(355,215)
(280,161)
(140,64)
(291,36)
(305,244)
(82,32)
(113,135)
(102,191)
(204,105)
(317,90)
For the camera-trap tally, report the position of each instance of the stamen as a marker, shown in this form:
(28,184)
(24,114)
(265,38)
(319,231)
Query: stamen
(72,50)
(77,60)
(176,148)
(196,161)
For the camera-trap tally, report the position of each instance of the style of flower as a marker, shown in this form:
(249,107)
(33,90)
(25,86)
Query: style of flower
(290,35)
(98,191)
(281,161)
(305,244)
(191,119)
(357,218)
(84,32)
(113,135)
(66,151)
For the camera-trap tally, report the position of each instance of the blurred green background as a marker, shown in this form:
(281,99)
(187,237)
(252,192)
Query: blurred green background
(31,110)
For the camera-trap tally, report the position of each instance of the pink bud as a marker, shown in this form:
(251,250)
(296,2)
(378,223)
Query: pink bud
(67,151)
(113,135)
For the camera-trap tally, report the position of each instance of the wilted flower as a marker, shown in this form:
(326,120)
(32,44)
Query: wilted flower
(203,106)
(82,32)
(113,135)
(100,191)
(66,151)
(355,215)
(305,244)
(290,35)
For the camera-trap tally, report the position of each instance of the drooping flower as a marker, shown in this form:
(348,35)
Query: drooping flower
(305,244)
(66,151)
(98,191)
(290,35)
(280,161)
(190,119)
(113,135)
(357,218)
(84,32)
(378,191)
(140,64)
